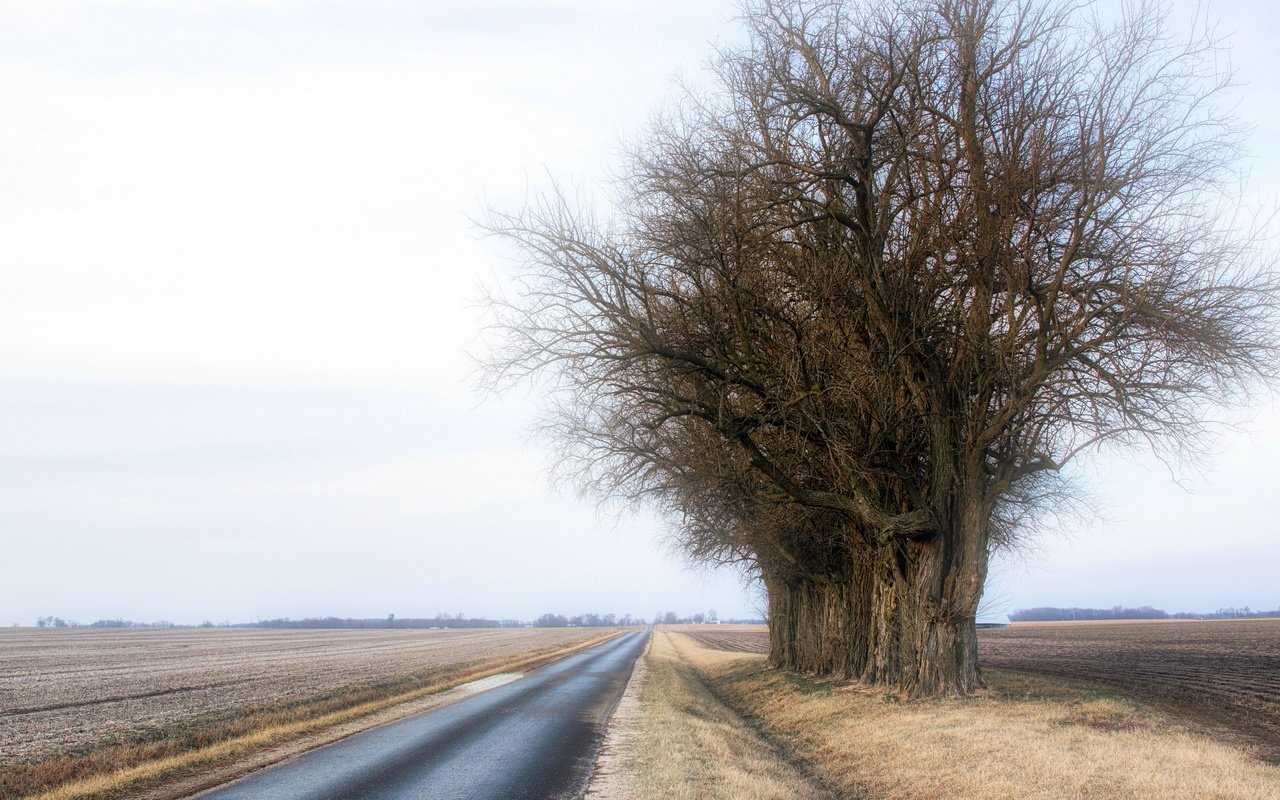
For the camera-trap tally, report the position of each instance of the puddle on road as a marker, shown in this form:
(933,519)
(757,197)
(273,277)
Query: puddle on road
(491,682)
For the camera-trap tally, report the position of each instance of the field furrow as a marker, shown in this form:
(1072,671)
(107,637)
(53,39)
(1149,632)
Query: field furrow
(68,689)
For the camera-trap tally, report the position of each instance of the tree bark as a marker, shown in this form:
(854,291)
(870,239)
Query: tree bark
(819,626)
(923,634)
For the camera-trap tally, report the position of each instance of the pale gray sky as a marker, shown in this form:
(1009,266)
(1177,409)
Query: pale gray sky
(236,274)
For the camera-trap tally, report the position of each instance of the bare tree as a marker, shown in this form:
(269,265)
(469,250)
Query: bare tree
(855,311)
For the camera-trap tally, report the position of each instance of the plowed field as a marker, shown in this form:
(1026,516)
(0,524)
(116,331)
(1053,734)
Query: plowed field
(1223,675)
(63,689)
(741,638)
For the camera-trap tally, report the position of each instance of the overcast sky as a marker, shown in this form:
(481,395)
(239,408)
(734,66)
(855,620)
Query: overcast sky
(237,285)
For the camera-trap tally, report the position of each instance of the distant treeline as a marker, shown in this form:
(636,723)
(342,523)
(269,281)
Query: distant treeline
(59,622)
(389,621)
(709,618)
(585,621)
(392,621)
(1050,614)
(455,621)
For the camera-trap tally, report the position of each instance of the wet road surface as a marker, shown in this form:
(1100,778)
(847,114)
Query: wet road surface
(535,737)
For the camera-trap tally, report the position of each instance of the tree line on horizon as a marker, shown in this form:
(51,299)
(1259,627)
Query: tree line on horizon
(443,620)
(589,620)
(1053,614)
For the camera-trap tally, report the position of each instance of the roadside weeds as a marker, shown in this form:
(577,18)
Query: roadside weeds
(677,741)
(1027,738)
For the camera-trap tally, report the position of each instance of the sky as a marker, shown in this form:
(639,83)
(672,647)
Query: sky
(240,277)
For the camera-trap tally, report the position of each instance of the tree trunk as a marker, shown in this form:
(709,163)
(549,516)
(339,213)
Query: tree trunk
(923,636)
(904,619)
(819,625)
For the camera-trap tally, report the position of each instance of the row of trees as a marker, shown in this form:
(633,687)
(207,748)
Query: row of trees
(56,622)
(854,309)
(390,621)
(1050,614)
(709,618)
(1228,613)
(455,621)
(119,622)
(672,618)
(585,620)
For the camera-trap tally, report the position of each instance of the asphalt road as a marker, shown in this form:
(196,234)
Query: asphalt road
(535,737)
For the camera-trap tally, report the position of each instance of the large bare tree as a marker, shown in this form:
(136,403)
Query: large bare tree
(855,311)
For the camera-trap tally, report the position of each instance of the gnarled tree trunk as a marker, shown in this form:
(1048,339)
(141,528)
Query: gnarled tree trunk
(819,625)
(902,617)
(923,637)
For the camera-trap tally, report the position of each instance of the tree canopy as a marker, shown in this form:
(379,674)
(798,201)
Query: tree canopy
(855,309)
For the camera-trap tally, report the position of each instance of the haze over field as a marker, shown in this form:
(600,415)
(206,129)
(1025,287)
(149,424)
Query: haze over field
(238,279)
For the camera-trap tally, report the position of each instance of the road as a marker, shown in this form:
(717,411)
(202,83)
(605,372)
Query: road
(535,737)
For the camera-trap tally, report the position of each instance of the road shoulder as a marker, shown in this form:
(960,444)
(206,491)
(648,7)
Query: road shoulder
(672,739)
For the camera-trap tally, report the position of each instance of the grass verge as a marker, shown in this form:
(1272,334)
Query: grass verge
(1027,737)
(116,770)
(685,744)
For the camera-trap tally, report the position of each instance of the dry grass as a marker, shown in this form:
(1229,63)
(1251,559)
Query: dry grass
(1220,676)
(1028,738)
(686,745)
(183,751)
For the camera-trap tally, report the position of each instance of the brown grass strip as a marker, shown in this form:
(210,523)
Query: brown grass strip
(684,744)
(1027,738)
(120,770)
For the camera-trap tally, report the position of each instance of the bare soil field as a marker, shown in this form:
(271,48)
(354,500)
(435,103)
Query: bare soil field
(68,690)
(738,638)
(1223,675)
